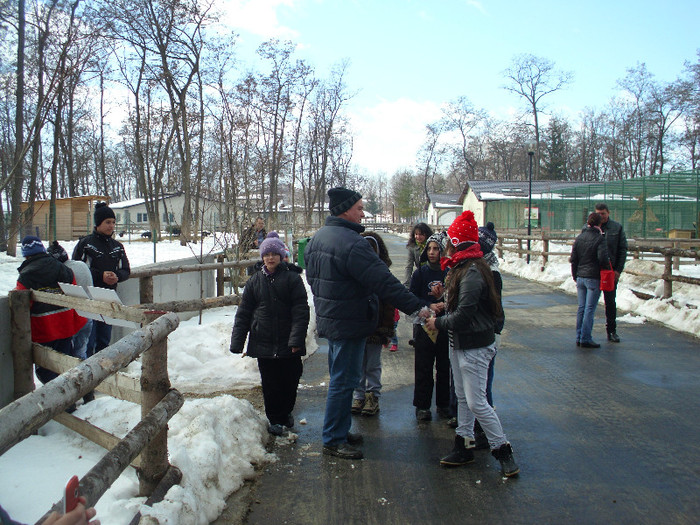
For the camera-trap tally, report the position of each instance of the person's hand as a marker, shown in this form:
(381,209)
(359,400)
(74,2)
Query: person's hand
(430,323)
(295,349)
(434,308)
(110,278)
(437,290)
(78,516)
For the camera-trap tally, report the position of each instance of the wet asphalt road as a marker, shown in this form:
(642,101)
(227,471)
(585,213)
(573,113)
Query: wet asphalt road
(601,436)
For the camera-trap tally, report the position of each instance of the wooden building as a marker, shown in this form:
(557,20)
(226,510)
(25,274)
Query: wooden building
(74,217)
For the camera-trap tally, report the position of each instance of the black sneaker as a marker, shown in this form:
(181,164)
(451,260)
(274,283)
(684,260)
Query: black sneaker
(343,451)
(290,421)
(444,412)
(276,430)
(613,337)
(590,344)
(423,414)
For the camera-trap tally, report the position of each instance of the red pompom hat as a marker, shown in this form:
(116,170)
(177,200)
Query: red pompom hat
(463,229)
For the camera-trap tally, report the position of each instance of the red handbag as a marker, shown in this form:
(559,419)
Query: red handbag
(607,279)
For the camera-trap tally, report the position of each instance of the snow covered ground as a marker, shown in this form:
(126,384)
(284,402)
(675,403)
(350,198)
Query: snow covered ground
(217,440)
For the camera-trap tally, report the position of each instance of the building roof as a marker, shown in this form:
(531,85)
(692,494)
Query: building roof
(444,200)
(495,190)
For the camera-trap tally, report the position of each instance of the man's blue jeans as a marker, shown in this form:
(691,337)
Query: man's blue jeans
(345,370)
(100,337)
(588,295)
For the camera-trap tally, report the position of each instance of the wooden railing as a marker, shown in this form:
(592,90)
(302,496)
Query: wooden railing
(671,255)
(33,408)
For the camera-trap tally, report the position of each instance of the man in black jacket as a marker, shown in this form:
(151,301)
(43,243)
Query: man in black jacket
(108,264)
(347,279)
(617,249)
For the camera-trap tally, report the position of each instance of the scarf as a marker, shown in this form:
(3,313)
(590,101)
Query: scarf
(473,252)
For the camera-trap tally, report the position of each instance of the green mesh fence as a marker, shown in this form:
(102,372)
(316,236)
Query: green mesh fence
(650,206)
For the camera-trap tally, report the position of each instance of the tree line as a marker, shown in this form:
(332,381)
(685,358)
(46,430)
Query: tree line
(649,127)
(190,118)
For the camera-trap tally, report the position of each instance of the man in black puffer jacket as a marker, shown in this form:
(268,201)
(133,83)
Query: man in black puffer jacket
(108,264)
(347,279)
(617,250)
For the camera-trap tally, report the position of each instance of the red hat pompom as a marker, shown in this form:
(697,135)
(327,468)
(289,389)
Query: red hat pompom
(463,229)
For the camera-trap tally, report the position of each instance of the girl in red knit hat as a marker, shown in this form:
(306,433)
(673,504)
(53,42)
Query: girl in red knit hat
(472,308)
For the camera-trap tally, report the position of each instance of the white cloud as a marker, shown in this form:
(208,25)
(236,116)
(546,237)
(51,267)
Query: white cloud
(256,16)
(389,134)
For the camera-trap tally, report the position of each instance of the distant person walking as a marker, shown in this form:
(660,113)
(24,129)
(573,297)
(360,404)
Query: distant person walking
(347,279)
(617,251)
(588,255)
(274,316)
(254,235)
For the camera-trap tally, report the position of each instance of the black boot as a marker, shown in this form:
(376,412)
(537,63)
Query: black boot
(504,454)
(460,455)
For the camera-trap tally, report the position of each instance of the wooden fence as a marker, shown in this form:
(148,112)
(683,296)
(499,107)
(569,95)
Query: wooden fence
(670,250)
(145,446)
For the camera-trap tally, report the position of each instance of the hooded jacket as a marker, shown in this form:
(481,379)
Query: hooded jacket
(274,310)
(42,272)
(347,279)
(385,328)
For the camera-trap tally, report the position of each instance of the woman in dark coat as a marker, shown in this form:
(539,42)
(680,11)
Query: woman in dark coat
(274,314)
(588,256)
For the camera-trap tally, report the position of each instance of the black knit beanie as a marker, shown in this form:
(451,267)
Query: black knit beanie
(341,200)
(102,212)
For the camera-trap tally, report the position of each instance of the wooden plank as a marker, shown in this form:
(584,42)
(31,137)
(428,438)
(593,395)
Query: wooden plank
(116,310)
(118,385)
(194,304)
(95,434)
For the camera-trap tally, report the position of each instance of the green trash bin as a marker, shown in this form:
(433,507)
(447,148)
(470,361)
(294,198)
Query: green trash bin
(301,246)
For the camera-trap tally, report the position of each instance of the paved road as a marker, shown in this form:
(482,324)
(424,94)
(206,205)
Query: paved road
(601,436)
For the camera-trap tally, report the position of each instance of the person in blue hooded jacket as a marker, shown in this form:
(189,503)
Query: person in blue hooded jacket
(347,280)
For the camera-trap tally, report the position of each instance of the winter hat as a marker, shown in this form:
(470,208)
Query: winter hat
(341,200)
(102,212)
(463,229)
(487,237)
(32,245)
(272,245)
(57,251)
(438,237)
(272,234)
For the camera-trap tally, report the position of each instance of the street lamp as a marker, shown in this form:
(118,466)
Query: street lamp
(531,147)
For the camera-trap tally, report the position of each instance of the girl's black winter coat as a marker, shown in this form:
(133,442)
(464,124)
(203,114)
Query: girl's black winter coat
(275,310)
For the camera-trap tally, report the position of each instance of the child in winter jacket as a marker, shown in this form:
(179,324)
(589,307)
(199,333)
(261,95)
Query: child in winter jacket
(274,315)
(366,395)
(427,283)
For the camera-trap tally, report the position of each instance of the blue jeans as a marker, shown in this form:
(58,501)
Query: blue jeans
(100,337)
(345,369)
(371,380)
(470,370)
(81,340)
(395,338)
(588,295)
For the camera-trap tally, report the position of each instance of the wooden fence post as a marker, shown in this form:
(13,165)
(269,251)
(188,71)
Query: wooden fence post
(146,290)
(220,274)
(21,341)
(520,248)
(545,250)
(668,271)
(499,247)
(676,259)
(155,384)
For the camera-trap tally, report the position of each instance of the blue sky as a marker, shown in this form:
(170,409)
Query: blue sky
(407,57)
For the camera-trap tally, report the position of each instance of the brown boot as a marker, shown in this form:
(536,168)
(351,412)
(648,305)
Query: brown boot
(371,407)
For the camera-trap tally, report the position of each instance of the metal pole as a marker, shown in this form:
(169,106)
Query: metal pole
(529,207)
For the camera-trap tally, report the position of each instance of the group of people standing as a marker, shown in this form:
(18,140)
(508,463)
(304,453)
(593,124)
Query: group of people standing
(97,260)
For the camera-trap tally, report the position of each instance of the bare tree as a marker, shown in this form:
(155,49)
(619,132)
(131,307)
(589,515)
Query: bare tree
(533,78)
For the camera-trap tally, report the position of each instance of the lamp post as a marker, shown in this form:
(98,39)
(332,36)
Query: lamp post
(531,147)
